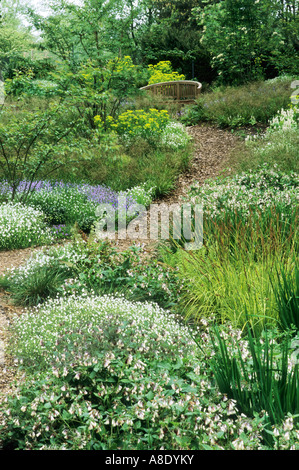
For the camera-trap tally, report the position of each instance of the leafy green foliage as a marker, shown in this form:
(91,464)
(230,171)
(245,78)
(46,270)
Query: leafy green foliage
(265,382)
(239,106)
(95,267)
(245,38)
(35,143)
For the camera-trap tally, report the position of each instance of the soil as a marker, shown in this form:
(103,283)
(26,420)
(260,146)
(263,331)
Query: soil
(212,147)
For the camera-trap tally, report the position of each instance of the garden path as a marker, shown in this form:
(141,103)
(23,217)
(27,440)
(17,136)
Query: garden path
(212,147)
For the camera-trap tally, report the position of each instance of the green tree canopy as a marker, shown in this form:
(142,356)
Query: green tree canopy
(250,39)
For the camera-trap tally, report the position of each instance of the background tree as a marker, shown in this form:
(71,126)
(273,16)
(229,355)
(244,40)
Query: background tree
(170,32)
(15,39)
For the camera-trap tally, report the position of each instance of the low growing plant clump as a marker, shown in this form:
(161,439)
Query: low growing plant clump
(70,203)
(278,145)
(112,374)
(163,72)
(22,227)
(80,266)
(251,192)
(175,136)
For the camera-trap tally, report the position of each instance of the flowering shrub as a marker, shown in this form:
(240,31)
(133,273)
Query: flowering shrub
(67,255)
(21,227)
(162,72)
(131,125)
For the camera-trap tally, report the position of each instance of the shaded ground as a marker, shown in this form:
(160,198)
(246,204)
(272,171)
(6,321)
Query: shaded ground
(212,147)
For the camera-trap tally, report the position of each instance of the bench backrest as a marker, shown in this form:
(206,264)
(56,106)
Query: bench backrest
(179,90)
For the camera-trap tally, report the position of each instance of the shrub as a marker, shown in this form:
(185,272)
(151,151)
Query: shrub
(163,72)
(131,125)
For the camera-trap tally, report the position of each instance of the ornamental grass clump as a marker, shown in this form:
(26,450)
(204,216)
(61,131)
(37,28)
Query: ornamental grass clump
(40,331)
(238,106)
(250,244)
(277,146)
(22,227)
(265,378)
(43,274)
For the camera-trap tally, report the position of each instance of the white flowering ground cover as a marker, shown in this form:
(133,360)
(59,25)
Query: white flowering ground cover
(248,192)
(113,374)
(51,205)
(175,136)
(22,226)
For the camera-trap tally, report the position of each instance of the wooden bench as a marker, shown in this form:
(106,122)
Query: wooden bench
(182,91)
